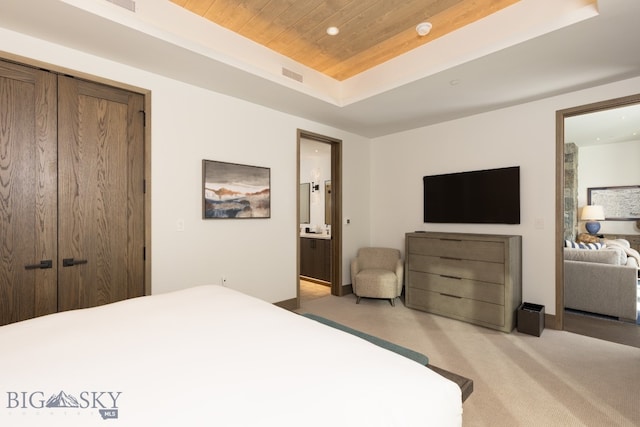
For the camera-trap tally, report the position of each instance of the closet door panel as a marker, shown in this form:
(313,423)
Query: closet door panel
(101,200)
(28,120)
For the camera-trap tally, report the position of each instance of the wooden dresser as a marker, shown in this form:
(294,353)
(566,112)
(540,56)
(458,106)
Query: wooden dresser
(476,278)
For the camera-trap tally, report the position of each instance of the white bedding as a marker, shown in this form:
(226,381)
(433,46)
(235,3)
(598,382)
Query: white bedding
(209,356)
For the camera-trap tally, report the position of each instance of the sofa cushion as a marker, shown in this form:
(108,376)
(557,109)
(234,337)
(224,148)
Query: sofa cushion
(603,256)
(580,245)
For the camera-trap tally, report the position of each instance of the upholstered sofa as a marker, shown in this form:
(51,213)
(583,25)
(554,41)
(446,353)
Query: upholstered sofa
(602,281)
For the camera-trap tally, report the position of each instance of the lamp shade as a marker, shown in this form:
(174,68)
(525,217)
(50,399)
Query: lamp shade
(592,213)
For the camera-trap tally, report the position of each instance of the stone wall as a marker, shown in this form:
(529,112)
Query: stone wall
(570,191)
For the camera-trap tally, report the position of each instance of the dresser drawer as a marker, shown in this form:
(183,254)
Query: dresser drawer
(459,308)
(478,250)
(475,290)
(459,268)
(476,278)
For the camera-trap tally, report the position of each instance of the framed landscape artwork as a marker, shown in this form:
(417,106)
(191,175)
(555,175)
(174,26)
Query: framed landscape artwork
(231,190)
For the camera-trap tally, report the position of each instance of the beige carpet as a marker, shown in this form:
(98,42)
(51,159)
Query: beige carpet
(558,379)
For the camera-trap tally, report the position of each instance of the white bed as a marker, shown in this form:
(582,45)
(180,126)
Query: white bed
(209,356)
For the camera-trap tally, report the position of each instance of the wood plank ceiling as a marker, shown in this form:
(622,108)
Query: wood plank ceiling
(371,31)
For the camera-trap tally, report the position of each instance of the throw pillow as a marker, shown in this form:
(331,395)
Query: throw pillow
(570,244)
(622,242)
(579,245)
(595,246)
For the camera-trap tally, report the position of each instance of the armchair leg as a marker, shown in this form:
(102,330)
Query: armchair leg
(357,299)
(392,301)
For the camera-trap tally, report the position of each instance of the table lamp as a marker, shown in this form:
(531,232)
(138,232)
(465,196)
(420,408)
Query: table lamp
(592,214)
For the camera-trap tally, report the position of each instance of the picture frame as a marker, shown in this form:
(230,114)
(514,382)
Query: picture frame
(235,191)
(621,203)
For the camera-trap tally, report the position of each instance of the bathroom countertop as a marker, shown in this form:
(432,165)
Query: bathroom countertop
(315,236)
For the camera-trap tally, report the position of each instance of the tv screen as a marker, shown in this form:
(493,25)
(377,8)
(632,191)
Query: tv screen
(490,196)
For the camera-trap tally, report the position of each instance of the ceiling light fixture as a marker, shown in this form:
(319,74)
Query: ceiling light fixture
(332,31)
(424,28)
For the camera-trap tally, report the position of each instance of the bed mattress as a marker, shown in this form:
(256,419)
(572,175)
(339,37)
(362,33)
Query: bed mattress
(211,356)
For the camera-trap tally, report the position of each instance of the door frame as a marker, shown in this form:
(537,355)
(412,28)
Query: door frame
(336,210)
(559,240)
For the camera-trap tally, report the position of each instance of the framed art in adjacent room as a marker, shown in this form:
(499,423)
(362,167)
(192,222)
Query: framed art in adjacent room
(621,203)
(231,190)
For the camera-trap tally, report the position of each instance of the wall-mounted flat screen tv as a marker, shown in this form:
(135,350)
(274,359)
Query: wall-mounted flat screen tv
(490,196)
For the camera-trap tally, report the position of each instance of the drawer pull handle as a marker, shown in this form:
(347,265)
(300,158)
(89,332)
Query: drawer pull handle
(449,295)
(451,240)
(450,258)
(450,277)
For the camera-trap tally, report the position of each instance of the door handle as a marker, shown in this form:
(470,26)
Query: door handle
(70,262)
(43,264)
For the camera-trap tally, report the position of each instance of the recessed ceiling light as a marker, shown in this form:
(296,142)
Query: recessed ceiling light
(424,28)
(332,31)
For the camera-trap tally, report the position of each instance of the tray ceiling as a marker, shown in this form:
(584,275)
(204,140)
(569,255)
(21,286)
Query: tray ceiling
(531,50)
(371,31)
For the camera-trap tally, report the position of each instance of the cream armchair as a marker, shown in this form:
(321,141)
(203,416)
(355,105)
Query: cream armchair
(377,273)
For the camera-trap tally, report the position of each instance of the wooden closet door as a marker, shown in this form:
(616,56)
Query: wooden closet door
(28,118)
(100,194)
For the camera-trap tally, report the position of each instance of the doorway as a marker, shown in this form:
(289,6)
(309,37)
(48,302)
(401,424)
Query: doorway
(568,204)
(324,193)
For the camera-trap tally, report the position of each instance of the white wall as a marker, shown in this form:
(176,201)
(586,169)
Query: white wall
(522,135)
(609,165)
(382,193)
(356,204)
(189,124)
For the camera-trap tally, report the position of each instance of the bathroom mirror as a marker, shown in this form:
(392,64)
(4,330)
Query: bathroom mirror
(305,188)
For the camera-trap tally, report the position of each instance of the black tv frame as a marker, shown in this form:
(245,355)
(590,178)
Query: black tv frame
(488,196)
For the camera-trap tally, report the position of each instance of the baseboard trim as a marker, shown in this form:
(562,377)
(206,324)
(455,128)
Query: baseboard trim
(346,290)
(550,321)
